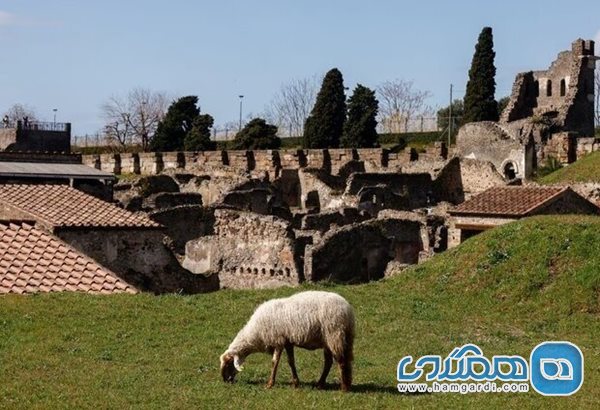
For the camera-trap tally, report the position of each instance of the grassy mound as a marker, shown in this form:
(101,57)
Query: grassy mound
(506,290)
(586,169)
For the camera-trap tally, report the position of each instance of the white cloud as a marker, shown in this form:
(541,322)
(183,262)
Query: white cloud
(7,19)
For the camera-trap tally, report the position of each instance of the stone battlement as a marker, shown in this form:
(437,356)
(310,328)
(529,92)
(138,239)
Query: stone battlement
(333,161)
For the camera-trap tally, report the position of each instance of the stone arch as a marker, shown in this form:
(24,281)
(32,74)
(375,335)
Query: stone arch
(509,170)
(563,87)
(548,88)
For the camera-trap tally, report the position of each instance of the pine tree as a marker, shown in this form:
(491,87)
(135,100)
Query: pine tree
(360,127)
(198,138)
(480,104)
(325,124)
(171,131)
(257,134)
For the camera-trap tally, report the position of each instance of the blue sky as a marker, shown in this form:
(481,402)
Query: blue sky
(72,55)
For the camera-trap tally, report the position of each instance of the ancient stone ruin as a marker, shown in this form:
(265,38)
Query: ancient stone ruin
(278,218)
(550,114)
(256,219)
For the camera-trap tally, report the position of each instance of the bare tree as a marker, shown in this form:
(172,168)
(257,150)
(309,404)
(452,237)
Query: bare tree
(18,111)
(292,104)
(133,119)
(400,103)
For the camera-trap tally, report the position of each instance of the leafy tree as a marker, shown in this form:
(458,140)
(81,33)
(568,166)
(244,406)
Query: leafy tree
(325,124)
(257,134)
(502,103)
(198,139)
(480,104)
(360,127)
(443,115)
(171,131)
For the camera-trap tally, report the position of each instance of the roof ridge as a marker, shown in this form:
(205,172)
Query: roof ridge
(509,200)
(564,189)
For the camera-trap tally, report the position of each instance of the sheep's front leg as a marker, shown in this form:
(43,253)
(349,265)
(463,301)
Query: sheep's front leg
(326,367)
(276,357)
(289,350)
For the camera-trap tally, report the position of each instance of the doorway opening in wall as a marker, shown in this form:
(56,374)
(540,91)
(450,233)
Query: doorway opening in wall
(509,171)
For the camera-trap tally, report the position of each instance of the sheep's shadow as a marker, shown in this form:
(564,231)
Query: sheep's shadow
(356,388)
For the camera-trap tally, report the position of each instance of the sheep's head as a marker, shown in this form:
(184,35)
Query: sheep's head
(231,364)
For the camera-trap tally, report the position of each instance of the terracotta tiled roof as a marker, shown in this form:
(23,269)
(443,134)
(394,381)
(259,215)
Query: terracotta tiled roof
(32,260)
(509,200)
(63,206)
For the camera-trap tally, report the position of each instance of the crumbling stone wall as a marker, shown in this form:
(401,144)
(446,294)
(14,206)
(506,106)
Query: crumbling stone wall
(565,91)
(548,110)
(487,141)
(463,177)
(330,219)
(184,223)
(247,250)
(257,196)
(562,146)
(320,190)
(268,162)
(372,191)
(140,257)
(337,257)
(586,146)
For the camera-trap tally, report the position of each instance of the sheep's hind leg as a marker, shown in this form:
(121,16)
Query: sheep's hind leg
(276,357)
(346,371)
(326,367)
(289,350)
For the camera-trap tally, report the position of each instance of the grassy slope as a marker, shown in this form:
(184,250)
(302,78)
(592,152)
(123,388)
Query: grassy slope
(506,290)
(586,169)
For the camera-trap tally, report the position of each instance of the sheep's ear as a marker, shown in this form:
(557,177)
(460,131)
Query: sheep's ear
(223,358)
(237,363)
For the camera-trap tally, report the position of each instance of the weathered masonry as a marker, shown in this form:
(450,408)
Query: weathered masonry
(550,114)
(272,162)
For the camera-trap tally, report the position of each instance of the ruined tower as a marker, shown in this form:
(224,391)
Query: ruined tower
(548,112)
(564,93)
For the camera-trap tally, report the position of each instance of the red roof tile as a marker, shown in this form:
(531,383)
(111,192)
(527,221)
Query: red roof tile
(509,200)
(67,270)
(63,206)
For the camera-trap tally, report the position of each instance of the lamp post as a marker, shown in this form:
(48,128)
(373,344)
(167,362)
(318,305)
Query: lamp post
(241,100)
(55,109)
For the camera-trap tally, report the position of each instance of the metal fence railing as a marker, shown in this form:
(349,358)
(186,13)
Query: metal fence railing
(43,126)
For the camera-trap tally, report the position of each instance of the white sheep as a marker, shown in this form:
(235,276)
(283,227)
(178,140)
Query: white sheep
(311,320)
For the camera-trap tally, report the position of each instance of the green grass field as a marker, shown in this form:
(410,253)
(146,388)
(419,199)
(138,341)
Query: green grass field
(505,290)
(586,169)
